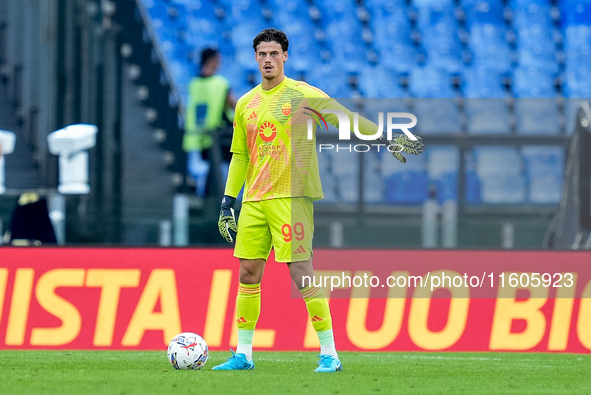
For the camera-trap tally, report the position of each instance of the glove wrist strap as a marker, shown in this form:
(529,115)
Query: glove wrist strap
(228,202)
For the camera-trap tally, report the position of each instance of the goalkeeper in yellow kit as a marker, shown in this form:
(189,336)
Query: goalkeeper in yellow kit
(277,164)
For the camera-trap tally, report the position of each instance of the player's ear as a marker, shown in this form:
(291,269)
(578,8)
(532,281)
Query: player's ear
(285,55)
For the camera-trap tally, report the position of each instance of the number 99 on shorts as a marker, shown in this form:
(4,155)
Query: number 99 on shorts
(290,232)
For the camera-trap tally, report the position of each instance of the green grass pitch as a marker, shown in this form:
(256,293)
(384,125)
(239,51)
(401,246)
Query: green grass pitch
(139,372)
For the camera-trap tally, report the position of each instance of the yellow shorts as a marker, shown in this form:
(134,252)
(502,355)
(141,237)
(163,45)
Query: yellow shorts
(286,224)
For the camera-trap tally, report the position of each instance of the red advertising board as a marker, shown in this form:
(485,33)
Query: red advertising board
(139,298)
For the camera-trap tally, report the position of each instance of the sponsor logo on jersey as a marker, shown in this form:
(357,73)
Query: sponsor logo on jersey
(268,132)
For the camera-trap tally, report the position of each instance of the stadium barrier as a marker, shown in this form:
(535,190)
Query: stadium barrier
(139,298)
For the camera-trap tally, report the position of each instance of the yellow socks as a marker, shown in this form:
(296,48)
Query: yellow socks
(248,309)
(319,312)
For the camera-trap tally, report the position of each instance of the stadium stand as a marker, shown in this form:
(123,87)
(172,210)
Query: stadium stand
(476,67)
(491,81)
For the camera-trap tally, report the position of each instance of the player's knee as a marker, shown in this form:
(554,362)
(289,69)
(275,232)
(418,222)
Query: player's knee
(251,272)
(301,270)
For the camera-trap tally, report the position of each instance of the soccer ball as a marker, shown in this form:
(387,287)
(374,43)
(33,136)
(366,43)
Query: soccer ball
(187,351)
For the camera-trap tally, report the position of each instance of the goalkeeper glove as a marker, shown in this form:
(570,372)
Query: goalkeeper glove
(402,143)
(227,221)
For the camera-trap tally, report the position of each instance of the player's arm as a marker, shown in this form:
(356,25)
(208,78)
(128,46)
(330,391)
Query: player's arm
(397,145)
(236,176)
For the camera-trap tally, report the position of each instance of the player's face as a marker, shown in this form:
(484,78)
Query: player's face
(270,58)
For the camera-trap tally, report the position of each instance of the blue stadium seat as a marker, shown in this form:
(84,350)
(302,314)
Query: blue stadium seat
(373,183)
(202,33)
(533,82)
(439,31)
(344,32)
(350,54)
(348,189)
(489,47)
(492,160)
(329,184)
(407,188)
(391,26)
(503,189)
(447,188)
(434,106)
(373,106)
(487,116)
(204,9)
(442,167)
(283,10)
(336,10)
(390,21)
(437,116)
(446,55)
(483,12)
(526,12)
(439,15)
(238,77)
(332,79)
(345,168)
(577,81)
(535,56)
(525,3)
(242,10)
(181,73)
(472,194)
(344,163)
(165,31)
(170,43)
(243,33)
(387,5)
(304,52)
(577,47)
(434,4)
(373,191)
(302,33)
(545,188)
(430,82)
(499,172)
(379,82)
(482,83)
(400,57)
(178,15)
(575,12)
(157,9)
(538,116)
(544,168)
(543,158)
(535,35)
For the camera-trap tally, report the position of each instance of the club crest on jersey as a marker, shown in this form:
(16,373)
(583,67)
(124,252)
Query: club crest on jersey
(286,108)
(268,131)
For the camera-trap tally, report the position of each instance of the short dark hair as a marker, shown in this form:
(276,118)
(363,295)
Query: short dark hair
(207,54)
(269,35)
